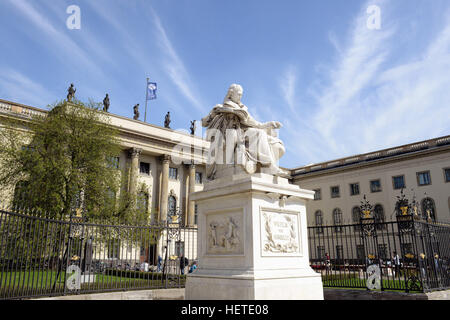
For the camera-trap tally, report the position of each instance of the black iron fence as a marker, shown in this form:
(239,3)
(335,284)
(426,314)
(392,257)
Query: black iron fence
(46,257)
(406,254)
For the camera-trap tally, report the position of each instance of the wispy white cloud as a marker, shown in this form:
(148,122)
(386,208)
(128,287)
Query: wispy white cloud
(172,64)
(56,37)
(175,66)
(287,86)
(368,102)
(15,86)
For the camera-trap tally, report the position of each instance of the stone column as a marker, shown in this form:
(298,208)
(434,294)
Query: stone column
(164,192)
(134,154)
(191,204)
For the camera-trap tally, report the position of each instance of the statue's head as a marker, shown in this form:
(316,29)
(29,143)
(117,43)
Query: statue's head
(234,93)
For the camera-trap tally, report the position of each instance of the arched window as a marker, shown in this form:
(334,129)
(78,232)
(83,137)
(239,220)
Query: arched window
(428,209)
(356,214)
(337,219)
(319,218)
(172,206)
(356,217)
(378,212)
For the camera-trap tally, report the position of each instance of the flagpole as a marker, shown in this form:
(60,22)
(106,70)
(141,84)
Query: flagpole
(146,99)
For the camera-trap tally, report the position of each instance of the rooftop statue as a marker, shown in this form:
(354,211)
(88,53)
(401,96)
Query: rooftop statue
(193,127)
(238,139)
(71,92)
(136,112)
(106,103)
(167,120)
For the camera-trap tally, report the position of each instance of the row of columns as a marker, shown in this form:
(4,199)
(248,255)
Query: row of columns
(134,154)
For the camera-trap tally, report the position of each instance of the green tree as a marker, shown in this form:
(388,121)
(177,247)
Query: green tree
(62,161)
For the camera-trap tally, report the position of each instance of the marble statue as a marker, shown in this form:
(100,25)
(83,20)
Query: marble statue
(71,92)
(237,138)
(136,112)
(167,120)
(106,103)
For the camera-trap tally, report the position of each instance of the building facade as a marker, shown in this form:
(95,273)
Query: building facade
(164,166)
(422,169)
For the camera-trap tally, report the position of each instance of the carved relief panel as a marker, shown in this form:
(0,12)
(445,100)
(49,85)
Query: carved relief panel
(280,233)
(225,233)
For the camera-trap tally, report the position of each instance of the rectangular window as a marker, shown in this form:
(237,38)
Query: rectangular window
(144,168)
(360,252)
(114,249)
(447,174)
(382,251)
(398,182)
(423,178)
(198,177)
(317,194)
(113,162)
(354,189)
(196,215)
(335,192)
(179,248)
(339,252)
(375,186)
(173,173)
(320,252)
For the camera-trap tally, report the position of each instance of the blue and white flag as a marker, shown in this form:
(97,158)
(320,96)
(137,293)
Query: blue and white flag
(151,90)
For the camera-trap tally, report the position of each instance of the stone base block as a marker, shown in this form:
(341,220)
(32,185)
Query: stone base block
(244,288)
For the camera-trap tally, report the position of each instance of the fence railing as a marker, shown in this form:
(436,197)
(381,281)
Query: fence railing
(411,256)
(45,257)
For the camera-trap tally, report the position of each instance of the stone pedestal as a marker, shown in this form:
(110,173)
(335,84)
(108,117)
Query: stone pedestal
(253,241)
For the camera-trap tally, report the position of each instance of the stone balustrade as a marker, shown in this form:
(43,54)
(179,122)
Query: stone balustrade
(414,147)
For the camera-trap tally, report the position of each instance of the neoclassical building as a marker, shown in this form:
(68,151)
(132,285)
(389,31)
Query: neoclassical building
(165,166)
(421,168)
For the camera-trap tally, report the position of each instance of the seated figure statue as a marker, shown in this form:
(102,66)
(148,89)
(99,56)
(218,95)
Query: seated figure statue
(238,139)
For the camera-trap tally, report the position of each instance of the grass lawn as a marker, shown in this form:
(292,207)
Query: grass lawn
(15,284)
(352,282)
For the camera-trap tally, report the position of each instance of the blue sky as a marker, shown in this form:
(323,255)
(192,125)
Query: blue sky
(338,87)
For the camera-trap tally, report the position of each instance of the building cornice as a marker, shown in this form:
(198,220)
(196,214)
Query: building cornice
(386,156)
(163,139)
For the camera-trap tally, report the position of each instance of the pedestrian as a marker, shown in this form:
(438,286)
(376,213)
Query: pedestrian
(436,265)
(396,259)
(422,266)
(158,269)
(193,267)
(183,263)
(327,262)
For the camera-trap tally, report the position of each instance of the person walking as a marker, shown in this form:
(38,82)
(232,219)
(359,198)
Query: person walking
(327,263)
(158,269)
(183,263)
(397,264)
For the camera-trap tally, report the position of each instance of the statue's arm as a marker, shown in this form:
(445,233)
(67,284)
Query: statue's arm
(251,122)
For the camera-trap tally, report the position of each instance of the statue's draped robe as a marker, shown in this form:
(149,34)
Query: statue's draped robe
(251,141)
